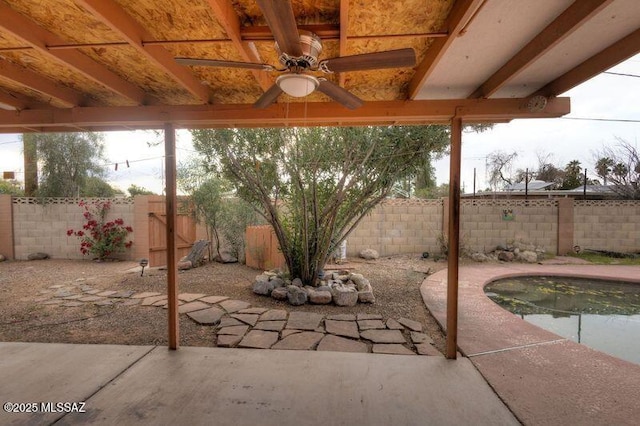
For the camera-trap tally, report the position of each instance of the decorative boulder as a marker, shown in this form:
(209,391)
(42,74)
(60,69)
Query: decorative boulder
(480,257)
(184,265)
(344,295)
(225,257)
(527,256)
(319,297)
(38,256)
(2,258)
(263,287)
(277,282)
(280,293)
(369,254)
(506,256)
(297,296)
(365,294)
(297,282)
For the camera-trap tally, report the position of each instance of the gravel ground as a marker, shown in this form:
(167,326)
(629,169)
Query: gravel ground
(395,280)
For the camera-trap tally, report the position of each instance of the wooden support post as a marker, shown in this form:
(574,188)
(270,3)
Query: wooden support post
(170,204)
(454,237)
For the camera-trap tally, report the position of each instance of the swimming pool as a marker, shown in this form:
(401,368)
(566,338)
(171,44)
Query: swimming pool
(604,315)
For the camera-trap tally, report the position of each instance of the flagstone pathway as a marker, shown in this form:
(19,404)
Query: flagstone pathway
(237,324)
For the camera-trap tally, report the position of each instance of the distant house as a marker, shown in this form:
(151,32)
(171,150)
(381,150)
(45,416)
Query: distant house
(537,189)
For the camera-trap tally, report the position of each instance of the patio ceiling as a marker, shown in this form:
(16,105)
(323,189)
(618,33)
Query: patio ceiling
(109,64)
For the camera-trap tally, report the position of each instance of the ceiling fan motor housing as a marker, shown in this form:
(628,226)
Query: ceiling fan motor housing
(311,49)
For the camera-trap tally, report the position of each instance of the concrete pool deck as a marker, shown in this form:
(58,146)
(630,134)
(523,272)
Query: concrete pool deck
(543,378)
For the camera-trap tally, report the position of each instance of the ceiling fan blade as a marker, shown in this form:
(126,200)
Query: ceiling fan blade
(282,22)
(229,64)
(370,61)
(340,95)
(268,97)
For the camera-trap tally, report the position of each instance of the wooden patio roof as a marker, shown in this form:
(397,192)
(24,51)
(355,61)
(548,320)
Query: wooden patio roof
(68,65)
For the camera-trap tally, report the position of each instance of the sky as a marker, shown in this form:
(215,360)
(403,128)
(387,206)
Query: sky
(591,125)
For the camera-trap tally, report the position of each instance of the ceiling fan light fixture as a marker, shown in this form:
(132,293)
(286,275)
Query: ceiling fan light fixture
(297,85)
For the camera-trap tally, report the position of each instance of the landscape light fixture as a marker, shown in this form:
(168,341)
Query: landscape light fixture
(143,263)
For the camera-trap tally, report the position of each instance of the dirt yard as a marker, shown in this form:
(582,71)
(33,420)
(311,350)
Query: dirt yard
(24,285)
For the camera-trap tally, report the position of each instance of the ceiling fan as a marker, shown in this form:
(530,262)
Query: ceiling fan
(298,52)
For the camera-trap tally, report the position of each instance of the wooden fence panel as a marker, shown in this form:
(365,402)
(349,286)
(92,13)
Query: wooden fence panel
(262,249)
(185,231)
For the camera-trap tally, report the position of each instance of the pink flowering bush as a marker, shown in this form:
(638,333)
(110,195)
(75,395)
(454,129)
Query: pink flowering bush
(99,237)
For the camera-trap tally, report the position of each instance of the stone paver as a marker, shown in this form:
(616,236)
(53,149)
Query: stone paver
(270,325)
(228,322)
(342,317)
(190,297)
(192,306)
(90,299)
(236,330)
(274,315)
(145,294)
(286,333)
(393,349)
(250,319)
(410,324)
(73,297)
(259,339)
(420,338)
(213,299)
(362,317)
(106,293)
(340,344)
(209,316)
(228,341)
(131,302)
(304,320)
(383,336)
(124,294)
(53,302)
(342,328)
(72,304)
(427,349)
(232,306)
(305,341)
(94,291)
(105,302)
(371,324)
(148,301)
(256,311)
(394,325)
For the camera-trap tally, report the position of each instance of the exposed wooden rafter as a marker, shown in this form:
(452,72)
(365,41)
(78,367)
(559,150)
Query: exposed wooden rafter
(39,38)
(565,24)
(461,12)
(24,77)
(112,14)
(344,28)
(228,19)
(605,59)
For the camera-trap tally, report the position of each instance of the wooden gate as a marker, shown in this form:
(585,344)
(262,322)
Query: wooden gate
(185,230)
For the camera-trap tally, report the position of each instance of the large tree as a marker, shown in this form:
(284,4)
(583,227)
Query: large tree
(67,162)
(314,185)
(619,165)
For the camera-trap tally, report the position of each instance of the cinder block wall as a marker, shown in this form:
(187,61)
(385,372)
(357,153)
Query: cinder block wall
(42,226)
(398,226)
(484,224)
(607,225)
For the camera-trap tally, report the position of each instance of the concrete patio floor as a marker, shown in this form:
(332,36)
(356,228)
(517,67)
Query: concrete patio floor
(218,386)
(543,378)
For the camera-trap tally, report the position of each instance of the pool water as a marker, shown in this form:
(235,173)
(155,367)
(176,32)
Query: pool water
(604,315)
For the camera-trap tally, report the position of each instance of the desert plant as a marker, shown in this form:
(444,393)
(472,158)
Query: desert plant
(98,236)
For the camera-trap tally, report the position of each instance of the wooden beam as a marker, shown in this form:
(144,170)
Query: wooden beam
(453,252)
(618,52)
(564,25)
(111,14)
(172,253)
(344,29)
(461,12)
(294,114)
(39,38)
(229,20)
(27,78)
(13,100)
